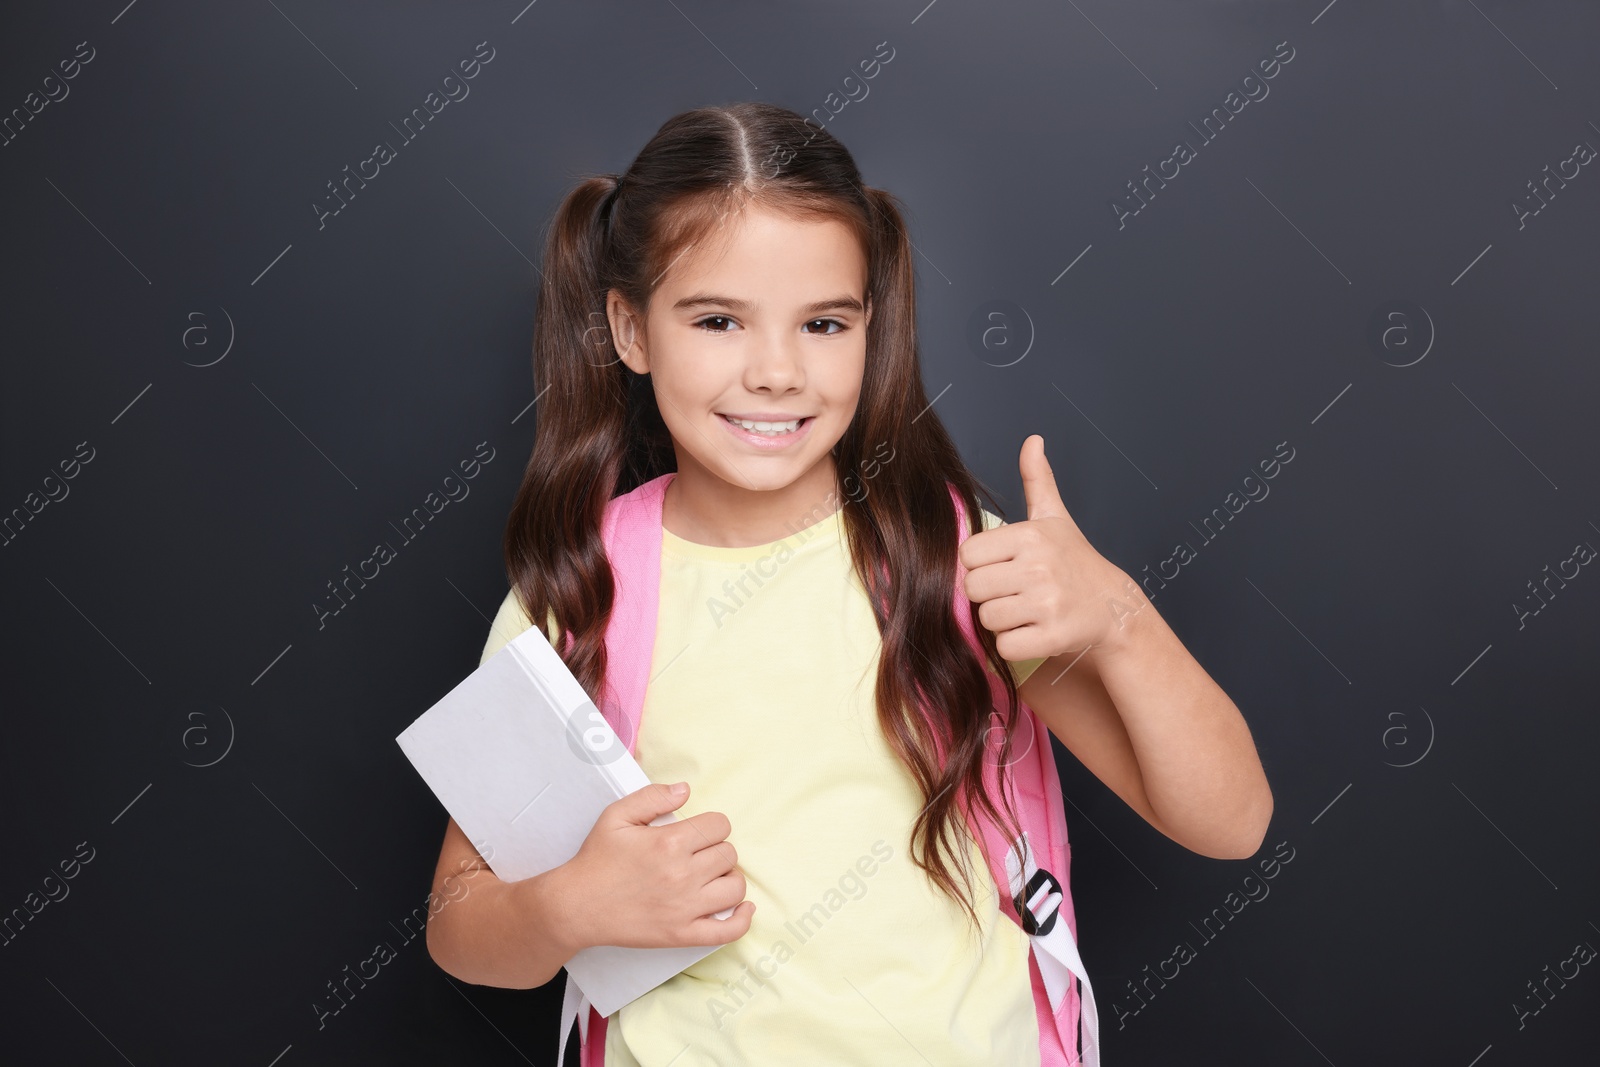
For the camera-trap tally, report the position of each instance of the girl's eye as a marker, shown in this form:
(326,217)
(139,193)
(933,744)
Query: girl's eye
(704,325)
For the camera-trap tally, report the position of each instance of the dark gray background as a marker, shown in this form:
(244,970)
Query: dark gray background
(1432,757)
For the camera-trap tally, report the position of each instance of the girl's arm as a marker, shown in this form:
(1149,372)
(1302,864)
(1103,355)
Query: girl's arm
(1147,720)
(489,932)
(1136,708)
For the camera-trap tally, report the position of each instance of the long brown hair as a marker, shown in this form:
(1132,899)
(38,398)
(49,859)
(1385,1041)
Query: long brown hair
(600,434)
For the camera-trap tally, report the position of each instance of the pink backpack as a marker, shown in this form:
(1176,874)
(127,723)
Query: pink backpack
(1040,901)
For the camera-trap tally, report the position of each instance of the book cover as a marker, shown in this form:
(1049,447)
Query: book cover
(524,762)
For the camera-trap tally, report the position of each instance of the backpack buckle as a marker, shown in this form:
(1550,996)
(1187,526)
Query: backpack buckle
(1039,903)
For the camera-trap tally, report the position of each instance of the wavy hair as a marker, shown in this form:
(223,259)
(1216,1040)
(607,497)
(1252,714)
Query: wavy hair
(599,434)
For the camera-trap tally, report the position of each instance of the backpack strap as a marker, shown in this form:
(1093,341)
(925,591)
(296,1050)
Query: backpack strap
(631,533)
(1041,902)
(574,1007)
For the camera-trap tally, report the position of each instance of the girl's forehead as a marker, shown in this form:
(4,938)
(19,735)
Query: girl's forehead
(764,257)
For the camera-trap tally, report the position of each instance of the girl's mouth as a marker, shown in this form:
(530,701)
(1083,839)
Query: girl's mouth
(768,435)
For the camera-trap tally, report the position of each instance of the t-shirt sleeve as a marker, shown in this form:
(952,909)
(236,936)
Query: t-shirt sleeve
(509,622)
(1022,669)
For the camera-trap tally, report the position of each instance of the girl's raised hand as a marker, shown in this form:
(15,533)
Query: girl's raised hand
(1041,587)
(643,886)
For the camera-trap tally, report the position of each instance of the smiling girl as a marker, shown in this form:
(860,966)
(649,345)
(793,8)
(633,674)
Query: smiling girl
(727,330)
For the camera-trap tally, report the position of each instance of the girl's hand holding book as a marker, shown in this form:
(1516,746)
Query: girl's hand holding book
(640,886)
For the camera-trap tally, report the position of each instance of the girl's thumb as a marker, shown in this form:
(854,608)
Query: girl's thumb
(655,800)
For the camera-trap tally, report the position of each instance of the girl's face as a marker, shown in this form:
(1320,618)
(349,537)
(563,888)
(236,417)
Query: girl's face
(765,322)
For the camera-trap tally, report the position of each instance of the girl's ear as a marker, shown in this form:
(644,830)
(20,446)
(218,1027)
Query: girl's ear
(627,333)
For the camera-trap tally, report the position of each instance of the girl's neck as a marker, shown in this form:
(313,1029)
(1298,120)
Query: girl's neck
(701,507)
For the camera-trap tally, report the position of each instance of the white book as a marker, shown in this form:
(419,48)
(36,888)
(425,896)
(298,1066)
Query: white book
(524,762)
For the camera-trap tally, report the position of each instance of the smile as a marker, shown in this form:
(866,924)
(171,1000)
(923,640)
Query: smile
(768,435)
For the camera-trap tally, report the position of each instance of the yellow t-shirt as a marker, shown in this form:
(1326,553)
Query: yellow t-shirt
(761,698)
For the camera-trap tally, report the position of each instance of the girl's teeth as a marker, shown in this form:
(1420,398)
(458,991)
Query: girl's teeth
(773,428)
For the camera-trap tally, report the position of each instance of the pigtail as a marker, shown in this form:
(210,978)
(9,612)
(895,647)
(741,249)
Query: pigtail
(904,540)
(555,559)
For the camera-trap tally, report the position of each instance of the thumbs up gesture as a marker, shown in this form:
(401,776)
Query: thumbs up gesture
(1040,586)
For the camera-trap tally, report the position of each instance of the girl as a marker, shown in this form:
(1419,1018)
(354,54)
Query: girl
(735,316)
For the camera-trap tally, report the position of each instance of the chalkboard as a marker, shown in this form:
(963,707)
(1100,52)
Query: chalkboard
(270,279)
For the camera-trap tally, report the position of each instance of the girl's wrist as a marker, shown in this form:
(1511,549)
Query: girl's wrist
(554,910)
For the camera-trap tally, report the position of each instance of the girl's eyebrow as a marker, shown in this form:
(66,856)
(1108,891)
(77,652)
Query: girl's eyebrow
(838,303)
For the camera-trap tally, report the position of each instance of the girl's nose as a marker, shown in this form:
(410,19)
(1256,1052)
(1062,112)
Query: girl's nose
(775,364)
